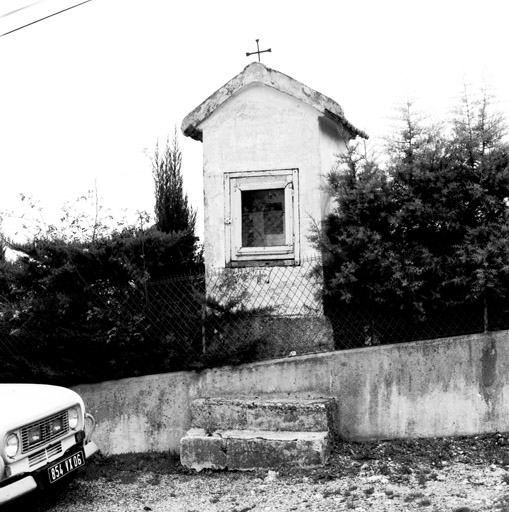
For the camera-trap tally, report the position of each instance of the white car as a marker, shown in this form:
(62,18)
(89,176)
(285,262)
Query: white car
(45,434)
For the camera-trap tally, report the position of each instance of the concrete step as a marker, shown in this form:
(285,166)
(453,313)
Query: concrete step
(269,414)
(253,449)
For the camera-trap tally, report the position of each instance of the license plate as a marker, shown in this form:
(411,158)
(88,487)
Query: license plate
(66,466)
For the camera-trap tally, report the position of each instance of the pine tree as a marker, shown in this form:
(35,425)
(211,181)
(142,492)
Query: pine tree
(482,157)
(429,232)
(172,210)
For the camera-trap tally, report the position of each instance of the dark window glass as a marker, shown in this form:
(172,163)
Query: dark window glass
(263,218)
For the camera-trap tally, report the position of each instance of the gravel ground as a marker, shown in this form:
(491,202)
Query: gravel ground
(461,475)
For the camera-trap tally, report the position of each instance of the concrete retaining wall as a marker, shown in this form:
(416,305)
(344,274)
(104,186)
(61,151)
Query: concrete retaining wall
(444,387)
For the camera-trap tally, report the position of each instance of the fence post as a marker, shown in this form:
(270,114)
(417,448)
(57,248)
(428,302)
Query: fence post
(485,316)
(203,330)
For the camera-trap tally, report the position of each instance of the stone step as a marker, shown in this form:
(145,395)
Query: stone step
(269,414)
(253,449)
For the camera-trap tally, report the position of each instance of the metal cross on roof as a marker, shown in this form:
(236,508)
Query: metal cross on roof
(257,51)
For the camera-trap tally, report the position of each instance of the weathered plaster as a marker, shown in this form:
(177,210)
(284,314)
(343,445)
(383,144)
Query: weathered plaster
(261,123)
(261,129)
(258,73)
(264,120)
(452,386)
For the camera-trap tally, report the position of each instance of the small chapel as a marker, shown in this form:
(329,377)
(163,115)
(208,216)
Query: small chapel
(268,143)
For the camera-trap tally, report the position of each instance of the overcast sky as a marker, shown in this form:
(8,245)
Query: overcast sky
(85,95)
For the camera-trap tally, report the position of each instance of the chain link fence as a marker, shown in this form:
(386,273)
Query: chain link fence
(190,322)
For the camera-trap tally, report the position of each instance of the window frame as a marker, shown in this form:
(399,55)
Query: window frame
(237,182)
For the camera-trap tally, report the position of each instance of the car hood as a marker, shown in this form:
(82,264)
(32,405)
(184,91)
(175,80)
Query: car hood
(21,404)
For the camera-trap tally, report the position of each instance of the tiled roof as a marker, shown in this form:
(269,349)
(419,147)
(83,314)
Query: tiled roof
(257,72)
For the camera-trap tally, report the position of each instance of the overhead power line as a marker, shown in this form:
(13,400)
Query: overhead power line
(22,8)
(45,18)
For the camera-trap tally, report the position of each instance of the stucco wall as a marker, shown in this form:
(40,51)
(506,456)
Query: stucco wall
(443,387)
(261,129)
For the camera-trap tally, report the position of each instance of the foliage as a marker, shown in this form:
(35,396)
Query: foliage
(172,209)
(234,333)
(428,231)
(80,305)
(83,219)
(84,310)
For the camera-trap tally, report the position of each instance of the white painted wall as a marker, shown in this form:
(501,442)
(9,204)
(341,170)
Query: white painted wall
(260,128)
(331,145)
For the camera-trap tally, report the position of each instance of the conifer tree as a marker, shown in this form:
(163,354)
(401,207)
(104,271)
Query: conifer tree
(172,210)
(428,232)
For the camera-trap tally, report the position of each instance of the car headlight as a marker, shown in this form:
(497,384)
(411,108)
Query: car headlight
(11,445)
(74,418)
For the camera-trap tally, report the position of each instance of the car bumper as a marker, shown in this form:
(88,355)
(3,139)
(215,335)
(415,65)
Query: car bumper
(28,483)
(18,488)
(90,448)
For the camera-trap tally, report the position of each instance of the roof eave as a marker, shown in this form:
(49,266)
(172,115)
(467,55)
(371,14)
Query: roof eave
(257,72)
(342,121)
(193,132)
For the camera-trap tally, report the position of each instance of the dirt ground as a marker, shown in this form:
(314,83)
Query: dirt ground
(444,474)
